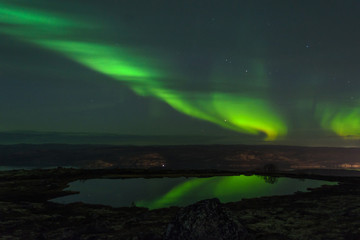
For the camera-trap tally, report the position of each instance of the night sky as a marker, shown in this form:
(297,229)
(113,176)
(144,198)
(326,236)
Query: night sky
(276,71)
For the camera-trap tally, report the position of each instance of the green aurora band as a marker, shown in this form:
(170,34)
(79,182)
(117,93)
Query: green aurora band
(145,76)
(226,189)
(344,121)
(223,188)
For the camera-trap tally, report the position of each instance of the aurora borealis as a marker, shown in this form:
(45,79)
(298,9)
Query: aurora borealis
(227,189)
(275,71)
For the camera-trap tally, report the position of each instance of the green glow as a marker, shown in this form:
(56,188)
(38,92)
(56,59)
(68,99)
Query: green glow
(239,112)
(344,121)
(106,59)
(16,15)
(27,24)
(248,186)
(175,196)
(226,189)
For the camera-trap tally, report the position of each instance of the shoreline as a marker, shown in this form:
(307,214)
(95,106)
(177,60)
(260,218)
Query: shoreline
(39,185)
(26,213)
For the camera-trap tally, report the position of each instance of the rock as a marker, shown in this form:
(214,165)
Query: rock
(205,220)
(99,226)
(63,234)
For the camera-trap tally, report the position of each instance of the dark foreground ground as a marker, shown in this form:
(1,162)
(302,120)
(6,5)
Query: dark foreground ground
(329,212)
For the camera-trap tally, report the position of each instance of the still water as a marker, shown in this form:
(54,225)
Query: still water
(165,192)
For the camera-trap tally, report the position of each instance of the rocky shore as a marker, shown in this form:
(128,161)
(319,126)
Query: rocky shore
(328,212)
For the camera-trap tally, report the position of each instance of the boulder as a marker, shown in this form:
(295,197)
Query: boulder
(205,220)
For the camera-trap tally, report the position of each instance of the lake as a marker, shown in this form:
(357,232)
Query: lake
(156,193)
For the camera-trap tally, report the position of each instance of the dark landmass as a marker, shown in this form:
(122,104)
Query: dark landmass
(224,157)
(328,212)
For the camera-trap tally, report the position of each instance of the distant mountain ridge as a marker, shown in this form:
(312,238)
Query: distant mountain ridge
(222,157)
